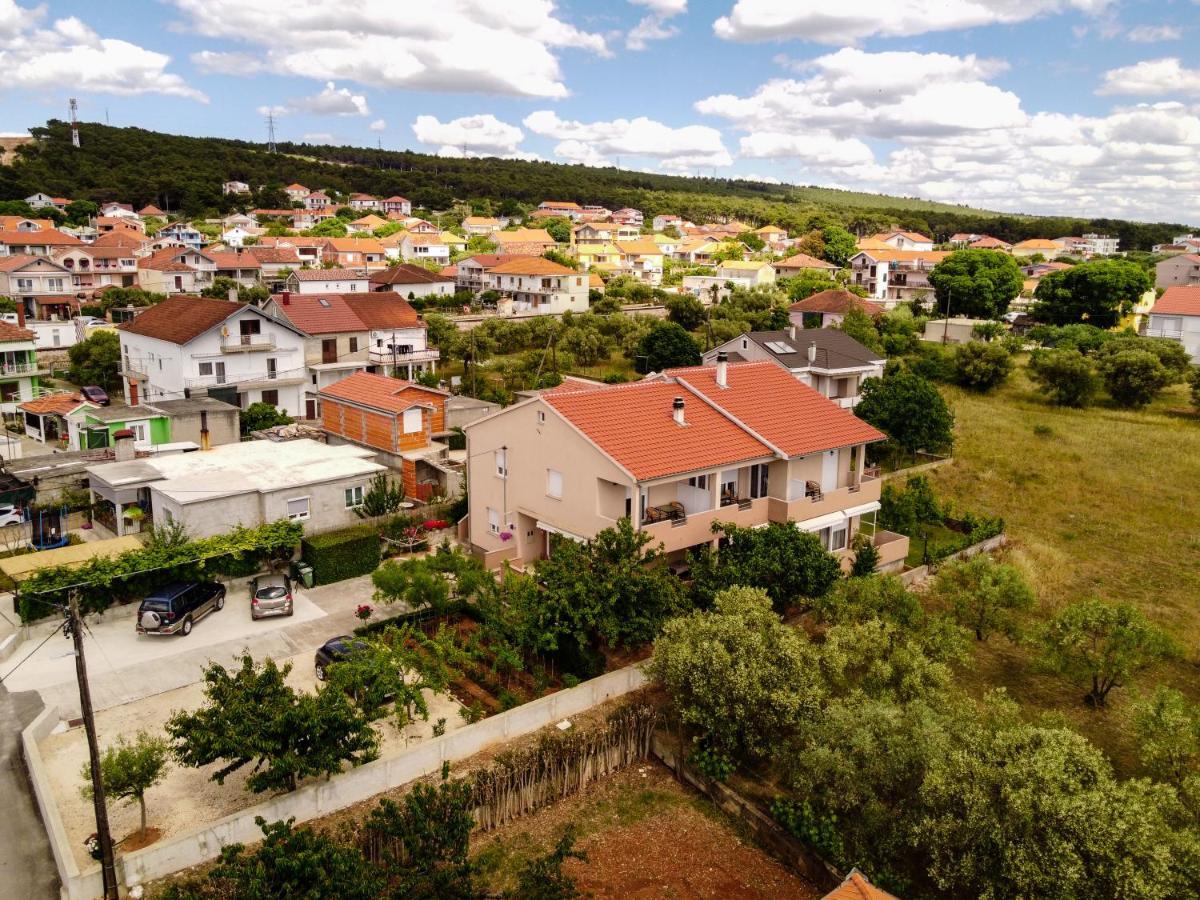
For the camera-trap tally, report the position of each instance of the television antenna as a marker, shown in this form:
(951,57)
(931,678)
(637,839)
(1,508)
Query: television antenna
(74,123)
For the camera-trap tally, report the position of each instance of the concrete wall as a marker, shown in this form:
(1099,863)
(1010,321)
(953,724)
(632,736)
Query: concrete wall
(314,800)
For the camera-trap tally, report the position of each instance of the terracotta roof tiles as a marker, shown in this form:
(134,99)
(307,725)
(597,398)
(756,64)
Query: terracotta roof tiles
(836,301)
(1180,300)
(178,320)
(392,395)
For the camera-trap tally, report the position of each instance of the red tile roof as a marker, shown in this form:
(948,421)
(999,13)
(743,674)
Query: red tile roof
(489,260)
(383,309)
(856,887)
(382,393)
(774,405)
(46,236)
(1180,300)
(803,261)
(338,313)
(329,275)
(58,404)
(234,260)
(10,332)
(634,425)
(836,301)
(275,254)
(406,274)
(180,319)
(16,261)
(119,239)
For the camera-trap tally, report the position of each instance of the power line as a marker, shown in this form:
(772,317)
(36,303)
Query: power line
(58,629)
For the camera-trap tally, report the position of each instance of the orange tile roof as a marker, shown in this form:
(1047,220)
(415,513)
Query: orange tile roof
(17,261)
(119,239)
(634,425)
(803,261)
(329,275)
(772,403)
(1037,244)
(383,309)
(523,236)
(231,259)
(1180,300)
(57,404)
(836,301)
(639,248)
(911,235)
(890,255)
(47,236)
(10,332)
(179,319)
(532,265)
(9,223)
(856,887)
(382,393)
(349,244)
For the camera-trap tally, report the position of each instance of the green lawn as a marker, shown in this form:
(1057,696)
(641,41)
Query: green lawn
(1105,505)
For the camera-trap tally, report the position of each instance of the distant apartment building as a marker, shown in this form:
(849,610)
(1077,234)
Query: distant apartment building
(539,286)
(892,276)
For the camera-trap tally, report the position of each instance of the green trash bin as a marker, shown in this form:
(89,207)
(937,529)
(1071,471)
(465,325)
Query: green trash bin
(304,574)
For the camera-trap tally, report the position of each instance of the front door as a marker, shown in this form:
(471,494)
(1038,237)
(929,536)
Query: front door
(219,372)
(829,471)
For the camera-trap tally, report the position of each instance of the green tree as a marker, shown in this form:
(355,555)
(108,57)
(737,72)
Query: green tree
(984,595)
(1133,377)
(666,346)
(1167,727)
(251,716)
(586,345)
(1066,375)
(129,769)
(382,498)
(558,227)
(426,840)
(80,211)
(909,410)
(789,564)
(807,283)
(860,326)
(840,245)
(1103,645)
(1172,354)
(543,878)
(258,416)
(8,305)
(751,240)
(737,675)
(1098,293)
(413,582)
(981,367)
(396,667)
(1194,381)
(978,283)
(911,509)
(866,557)
(686,311)
(96,360)
(221,286)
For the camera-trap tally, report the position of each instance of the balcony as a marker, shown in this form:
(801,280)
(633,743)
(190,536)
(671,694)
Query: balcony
(20,368)
(679,530)
(382,356)
(808,501)
(892,547)
(1174,334)
(247,343)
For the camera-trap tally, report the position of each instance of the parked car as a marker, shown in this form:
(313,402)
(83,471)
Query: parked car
(95,394)
(11,515)
(270,595)
(176,607)
(335,650)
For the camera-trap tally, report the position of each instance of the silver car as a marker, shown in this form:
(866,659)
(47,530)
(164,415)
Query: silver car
(270,595)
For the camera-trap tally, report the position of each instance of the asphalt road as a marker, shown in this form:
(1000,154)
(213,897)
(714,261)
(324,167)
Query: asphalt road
(26,865)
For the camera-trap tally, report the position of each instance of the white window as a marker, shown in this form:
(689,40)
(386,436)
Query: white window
(24,284)
(412,420)
(502,463)
(354,497)
(554,484)
(205,368)
(139,432)
(834,538)
(541,417)
(699,481)
(493,520)
(297,510)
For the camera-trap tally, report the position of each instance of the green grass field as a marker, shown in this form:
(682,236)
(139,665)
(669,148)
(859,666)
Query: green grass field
(1104,504)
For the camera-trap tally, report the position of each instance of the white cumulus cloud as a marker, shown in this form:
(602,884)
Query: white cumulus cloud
(378,125)
(482,135)
(466,46)
(654,27)
(1152,77)
(600,143)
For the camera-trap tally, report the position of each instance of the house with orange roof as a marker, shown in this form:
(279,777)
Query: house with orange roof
(480,225)
(891,276)
(1034,246)
(420,247)
(176,270)
(47,418)
(42,242)
(366,224)
(296,192)
(802,262)
(904,240)
(354,252)
(327,281)
(855,886)
(741,443)
(41,287)
(317,200)
(365,201)
(151,210)
(826,309)
(21,223)
(396,205)
(532,241)
(643,259)
(469,273)
(1176,316)
(93,267)
(399,419)
(538,286)
(42,200)
(565,208)
(987,242)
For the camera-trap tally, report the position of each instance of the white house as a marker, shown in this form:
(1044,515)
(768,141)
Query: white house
(537,285)
(176,270)
(43,201)
(235,187)
(1176,315)
(296,192)
(397,206)
(183,233)
(195,345)
(328,281)
(905,240)
(730,274)
(424,246)
(412,281)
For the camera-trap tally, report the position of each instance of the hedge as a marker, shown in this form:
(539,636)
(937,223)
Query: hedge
(338,555)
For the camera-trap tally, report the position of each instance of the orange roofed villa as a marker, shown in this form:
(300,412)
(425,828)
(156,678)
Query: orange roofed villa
(742,443)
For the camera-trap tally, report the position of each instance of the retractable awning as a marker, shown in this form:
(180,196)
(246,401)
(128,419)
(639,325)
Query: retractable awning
(546,526)
(862,509)
(826,521)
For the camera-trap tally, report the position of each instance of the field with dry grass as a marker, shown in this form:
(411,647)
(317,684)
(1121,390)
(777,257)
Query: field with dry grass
(1099,502)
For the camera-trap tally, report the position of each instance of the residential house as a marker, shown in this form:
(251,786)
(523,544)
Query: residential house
(523,241)
(249,483)
(698,251)
(56,331)
(199,422)
(397,206)
(642,259)
(48,418)
(348,333)
(45,201)
(327,281)
(317,200)
(1176,315)
(42,242)
(905,240)
(470,272)
(95,267)
(604,233)
(412,281)
(601,256)
(235,187)
(742,443)
(565,208)
(627,216)
(151,210)
(183,233)
(365,225)
(187,346)
(311,250)
(365,201)
(1035,246)
(237,235)
(891,276)
(119,223)
(354,251)
(422,247)
(456,242)
(802,262)
(538,286)
(774,237)
(39,286)
(242,267)
(19,368)
(955,330)
(668,245)
(826,309)
(20,223)
(663,222)
(273,261)
(420,226)
(1101,244)
(113,208)
(176,270)
(400,420)
(480,225)
(1182,270)
(826,359)
(734,273)
(593,213)
(962,239)
(987,242)
(296,192)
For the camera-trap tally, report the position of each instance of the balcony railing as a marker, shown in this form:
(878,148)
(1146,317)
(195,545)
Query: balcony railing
(26,368)
(384,356)
(244,343)
(1174,334)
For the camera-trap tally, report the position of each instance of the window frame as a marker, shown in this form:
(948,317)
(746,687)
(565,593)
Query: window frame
(298,517)
(354,496)
(551,475)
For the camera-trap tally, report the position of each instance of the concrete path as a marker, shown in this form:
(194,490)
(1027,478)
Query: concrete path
(27,867)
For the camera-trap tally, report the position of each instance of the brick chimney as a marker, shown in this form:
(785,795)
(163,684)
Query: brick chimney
(20,314)
(677,409)
(285,298)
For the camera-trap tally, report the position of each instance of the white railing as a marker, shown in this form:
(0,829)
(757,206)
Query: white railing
(1174,334)
(26,368)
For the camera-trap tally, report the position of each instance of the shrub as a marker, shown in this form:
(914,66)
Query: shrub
(1067,376)
(932,361)
(909,409)
(1134,377)
(338,555)
(981,367)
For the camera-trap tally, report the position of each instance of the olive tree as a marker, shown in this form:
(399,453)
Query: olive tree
(984,595)
(981,366)
(1134,377)
(1067,376)
(129,769)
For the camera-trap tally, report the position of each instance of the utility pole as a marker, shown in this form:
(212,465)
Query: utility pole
(946,323)
(108,867)
(271,132)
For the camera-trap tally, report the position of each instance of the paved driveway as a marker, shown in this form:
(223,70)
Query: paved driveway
(27,867)
(125,666)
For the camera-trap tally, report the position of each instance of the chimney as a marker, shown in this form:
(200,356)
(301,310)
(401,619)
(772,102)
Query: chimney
(287,297)
(21,314)
(233,295)
(722,369)
(678,411)
(205,444)
(133,393)
(792,331)
(123,440)
(812,352)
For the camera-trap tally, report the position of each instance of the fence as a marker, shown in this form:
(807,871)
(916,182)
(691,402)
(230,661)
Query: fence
(311,801)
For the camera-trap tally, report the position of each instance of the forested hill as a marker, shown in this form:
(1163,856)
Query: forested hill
(185,174)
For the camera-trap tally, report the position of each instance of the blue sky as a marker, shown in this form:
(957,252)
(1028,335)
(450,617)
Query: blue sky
(1070,106)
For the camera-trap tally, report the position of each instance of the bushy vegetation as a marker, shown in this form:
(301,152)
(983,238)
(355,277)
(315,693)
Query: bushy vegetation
(338,555)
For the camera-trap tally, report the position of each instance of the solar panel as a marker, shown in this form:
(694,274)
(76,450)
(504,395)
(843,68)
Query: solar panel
(780,347)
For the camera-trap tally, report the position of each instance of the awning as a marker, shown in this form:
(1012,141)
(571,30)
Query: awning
(18,568)
(825,521)
(862,509)
(546,526)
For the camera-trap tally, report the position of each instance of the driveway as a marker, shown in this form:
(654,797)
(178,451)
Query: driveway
(27,867)
(125,666)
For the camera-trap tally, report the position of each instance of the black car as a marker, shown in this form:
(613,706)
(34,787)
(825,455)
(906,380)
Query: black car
(174,608)
(270,595)
(335,650)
